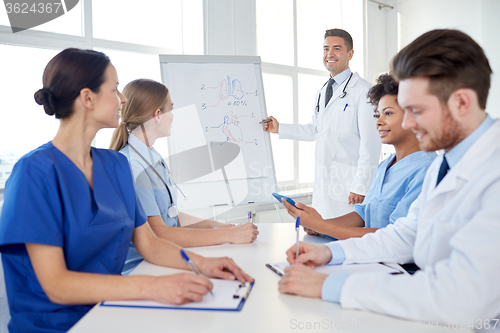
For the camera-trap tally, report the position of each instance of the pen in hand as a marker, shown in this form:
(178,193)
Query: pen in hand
(297,224)
(265,121)
(192,266)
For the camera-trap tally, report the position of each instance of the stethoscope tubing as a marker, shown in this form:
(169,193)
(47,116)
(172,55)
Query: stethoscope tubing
(342,95)
(172,212)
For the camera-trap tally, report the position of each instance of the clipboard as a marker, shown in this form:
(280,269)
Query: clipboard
(228,296)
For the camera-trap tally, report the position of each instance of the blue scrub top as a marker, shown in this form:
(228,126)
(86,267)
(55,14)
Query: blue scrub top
(151,191)
(49,201)
(393,189)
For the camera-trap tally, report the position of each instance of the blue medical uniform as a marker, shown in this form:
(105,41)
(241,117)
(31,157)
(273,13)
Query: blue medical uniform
(393,189)
(151,191)
(49,201)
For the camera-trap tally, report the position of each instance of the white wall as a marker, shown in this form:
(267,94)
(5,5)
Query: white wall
(490,11)
(411,18)
(377,41)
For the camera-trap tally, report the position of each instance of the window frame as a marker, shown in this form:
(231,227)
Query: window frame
(293,72)
(33,38)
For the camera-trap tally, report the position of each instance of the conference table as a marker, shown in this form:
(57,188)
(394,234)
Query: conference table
(265,310)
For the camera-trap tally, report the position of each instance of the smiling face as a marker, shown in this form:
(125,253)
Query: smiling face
(335,55)
(109,100)
(389,117)
(432,122)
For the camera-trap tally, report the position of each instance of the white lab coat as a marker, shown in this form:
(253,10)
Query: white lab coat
(347,146)
(452,232)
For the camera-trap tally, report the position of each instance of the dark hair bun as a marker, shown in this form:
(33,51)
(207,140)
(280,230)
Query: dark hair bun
(46,98)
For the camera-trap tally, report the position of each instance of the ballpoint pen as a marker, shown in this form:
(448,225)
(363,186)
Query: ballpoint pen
(297,224)
(191,265)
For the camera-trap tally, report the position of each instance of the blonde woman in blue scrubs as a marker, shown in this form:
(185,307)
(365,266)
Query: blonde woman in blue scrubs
(397,181)
(146,117)
(70,212)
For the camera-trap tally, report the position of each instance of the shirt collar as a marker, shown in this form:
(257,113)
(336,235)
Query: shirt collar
(141,147)
(456,153)
(341,77)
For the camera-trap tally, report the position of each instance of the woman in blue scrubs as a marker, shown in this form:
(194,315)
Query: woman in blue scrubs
(70,212)
(397,181)
(146,117)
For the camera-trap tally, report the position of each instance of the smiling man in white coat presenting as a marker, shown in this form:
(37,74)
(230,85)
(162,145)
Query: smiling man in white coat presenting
(347,143)
(452,229)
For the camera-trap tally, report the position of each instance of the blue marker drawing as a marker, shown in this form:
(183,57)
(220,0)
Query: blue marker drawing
(232,130)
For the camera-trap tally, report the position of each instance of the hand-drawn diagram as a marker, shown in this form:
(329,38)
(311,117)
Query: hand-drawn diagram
(232,129)
(228,101)
(229,88)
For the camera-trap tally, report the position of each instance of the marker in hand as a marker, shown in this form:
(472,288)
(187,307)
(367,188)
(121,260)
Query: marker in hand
(297,225)
(265,121)
(192,266)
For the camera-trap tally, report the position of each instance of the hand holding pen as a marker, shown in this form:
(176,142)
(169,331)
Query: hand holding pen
(221,268)
(191,265)
(270,124)
(308,254)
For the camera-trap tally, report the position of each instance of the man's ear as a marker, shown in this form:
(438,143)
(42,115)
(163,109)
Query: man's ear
(461,101)
(350,54)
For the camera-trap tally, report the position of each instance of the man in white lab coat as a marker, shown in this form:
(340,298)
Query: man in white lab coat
(452,230)
(347,142)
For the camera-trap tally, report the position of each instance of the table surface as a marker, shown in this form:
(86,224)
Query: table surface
(266,310)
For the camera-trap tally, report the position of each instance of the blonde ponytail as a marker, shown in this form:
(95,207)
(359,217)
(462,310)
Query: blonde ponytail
(144,97)
(120,137)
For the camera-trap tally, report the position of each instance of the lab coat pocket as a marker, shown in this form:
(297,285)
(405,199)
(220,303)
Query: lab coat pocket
(344,119)
(441,234)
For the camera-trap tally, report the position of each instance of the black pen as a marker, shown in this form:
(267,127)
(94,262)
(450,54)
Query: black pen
(265,121)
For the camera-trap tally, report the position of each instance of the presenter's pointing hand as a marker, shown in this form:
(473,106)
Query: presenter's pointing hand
(309,254)
(272,126)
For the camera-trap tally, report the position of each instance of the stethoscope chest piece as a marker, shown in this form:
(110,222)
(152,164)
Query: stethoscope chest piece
(172,211)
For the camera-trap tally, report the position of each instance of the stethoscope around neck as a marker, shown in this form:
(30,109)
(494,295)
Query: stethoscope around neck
(342,95)
(172,211)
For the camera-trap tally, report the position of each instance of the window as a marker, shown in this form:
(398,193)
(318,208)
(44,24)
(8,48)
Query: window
(290,43)
(278,90)
(25,126)
(130,33)
(148,22)
(275,42)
